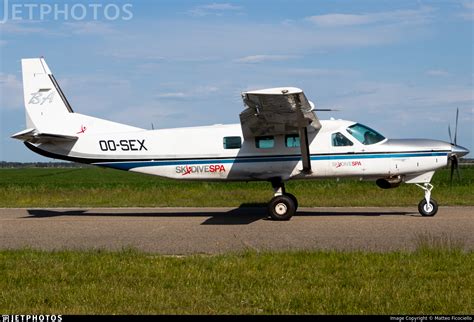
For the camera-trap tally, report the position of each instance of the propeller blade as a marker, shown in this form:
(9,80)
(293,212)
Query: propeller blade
(457,168)
(456,128)
(449,131)
(452,168)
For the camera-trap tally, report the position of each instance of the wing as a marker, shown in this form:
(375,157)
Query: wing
(33,136)
(280,111)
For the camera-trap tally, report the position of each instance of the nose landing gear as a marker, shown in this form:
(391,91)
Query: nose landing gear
(427,207)
(283,205)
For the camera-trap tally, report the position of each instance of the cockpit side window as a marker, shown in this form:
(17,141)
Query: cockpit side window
(364,134)
(338,139)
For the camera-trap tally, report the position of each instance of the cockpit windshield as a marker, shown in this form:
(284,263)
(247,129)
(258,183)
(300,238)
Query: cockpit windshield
(364,134)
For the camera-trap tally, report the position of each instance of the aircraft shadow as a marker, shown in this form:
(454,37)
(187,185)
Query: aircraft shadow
(243,215)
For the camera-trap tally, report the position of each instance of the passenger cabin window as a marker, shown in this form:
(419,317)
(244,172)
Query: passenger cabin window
(264,142)
(292,141)
(232,142)
(338,139)
(364,134)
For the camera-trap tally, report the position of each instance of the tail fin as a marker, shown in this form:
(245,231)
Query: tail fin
(44,100)
(49,116)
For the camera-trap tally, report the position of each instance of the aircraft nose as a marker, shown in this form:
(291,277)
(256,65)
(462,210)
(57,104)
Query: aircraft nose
(459,151)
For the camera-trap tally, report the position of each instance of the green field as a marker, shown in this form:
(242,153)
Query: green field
(428,281)
(93,187)
(435,279)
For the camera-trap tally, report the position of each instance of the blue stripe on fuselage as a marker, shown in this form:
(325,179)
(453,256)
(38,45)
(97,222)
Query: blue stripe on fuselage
(127,165)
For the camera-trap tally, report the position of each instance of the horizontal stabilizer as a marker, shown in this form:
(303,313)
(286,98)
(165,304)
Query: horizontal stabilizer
(33,136)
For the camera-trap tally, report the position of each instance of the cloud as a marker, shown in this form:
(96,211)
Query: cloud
(161,115)
(334,20)
(468,5)
(338,20)
(263,41)
(25,28)
(437,72)
(11,92)
(194,93)
(96,94)
(142,55)
(383,96)
(468,13)
(216,9)
(320,72)
(172,95)
(90,28)
(2,43)
(220,6)
(255,59)
(445,96)
(396,108)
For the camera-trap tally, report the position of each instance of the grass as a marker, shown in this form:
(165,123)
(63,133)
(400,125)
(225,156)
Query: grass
(88,187)
(434,279)
(427,281)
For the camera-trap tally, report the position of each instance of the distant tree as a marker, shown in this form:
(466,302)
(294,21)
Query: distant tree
(4,164)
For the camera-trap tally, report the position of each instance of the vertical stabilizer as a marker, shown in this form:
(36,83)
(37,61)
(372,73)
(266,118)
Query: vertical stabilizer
(48,110)
(45,102)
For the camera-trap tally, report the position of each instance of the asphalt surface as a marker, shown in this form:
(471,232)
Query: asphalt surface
(217,230)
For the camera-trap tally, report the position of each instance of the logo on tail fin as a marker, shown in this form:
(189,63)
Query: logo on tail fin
(42,96)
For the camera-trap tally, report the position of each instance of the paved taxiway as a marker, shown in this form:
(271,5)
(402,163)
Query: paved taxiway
(217,230)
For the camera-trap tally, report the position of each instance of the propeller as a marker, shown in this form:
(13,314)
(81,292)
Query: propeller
(454,158)
(456,128)
(449,131)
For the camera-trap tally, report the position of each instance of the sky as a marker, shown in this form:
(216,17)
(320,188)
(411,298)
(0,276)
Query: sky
(400,67)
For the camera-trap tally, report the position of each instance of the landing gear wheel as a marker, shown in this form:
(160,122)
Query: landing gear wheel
(428,210)
(281,207)
(294,199)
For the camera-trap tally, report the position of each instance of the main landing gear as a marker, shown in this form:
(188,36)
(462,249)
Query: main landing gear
(283,205)
(427,206)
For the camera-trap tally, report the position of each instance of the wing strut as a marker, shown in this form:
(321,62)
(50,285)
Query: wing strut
(305,156)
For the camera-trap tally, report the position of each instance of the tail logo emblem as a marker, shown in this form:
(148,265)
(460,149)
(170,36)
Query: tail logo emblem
(42,96)
(83,129)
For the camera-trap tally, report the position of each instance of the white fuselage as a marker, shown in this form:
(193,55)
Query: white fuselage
(198,153)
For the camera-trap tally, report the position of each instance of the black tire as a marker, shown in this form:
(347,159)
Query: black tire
(281,208)
(294,200)
(424,210)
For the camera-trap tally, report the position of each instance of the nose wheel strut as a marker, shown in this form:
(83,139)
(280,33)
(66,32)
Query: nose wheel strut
(428,206)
